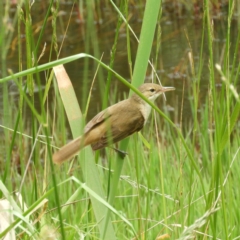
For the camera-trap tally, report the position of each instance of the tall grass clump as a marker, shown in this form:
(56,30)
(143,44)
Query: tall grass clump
(177,181)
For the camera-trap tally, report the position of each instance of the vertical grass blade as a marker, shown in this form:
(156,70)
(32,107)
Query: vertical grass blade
(90,171)
(140,68)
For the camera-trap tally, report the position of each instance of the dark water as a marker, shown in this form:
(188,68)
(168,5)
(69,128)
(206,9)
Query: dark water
(181,32)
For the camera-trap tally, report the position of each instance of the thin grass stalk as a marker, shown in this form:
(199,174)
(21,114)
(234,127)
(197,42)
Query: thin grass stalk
(54,181)
(91,88)
(19,121)
(49,156)
(148,200)
(196,85)
(96,50)
(215,180)
(4,89)
(2,36)
(158,47)
(227,72)
(234,75)
(228,120)
(211,140)
(28,31)
(228,35)
(138,178)
(112,58)
(217,177)
(225,90)
(181,161)
(89,25)
(20,60)
(129,55)
(30,84)
(195,89)
(55,10)
(43,27)
(161,174)
(11,147)
(196,127)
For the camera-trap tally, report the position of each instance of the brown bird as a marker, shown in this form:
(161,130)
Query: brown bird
(114,123)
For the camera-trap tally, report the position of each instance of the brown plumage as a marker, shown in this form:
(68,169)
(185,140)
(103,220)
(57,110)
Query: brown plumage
(114,123)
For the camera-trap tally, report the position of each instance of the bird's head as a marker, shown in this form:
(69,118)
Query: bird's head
(152,90)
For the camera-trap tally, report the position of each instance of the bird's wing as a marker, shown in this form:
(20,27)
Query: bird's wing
(104,115)
(130,124)
(99,118)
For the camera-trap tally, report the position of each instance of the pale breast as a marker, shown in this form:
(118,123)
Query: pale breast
(145,110)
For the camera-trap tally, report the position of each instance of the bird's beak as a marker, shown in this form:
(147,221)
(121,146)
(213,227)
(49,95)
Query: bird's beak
(167,89)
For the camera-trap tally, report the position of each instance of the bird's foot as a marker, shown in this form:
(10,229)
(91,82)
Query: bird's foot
(121,153)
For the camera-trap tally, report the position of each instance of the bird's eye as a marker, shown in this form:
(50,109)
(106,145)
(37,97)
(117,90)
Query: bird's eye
(152,90)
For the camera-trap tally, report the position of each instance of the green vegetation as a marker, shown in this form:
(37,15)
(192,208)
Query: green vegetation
(180,178)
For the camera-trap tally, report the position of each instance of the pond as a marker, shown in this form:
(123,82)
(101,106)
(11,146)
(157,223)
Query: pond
(82,29)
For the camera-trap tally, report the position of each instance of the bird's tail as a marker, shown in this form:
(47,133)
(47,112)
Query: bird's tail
(68,151)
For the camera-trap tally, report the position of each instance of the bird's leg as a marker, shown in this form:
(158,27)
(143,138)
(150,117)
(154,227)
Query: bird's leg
(121,153)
